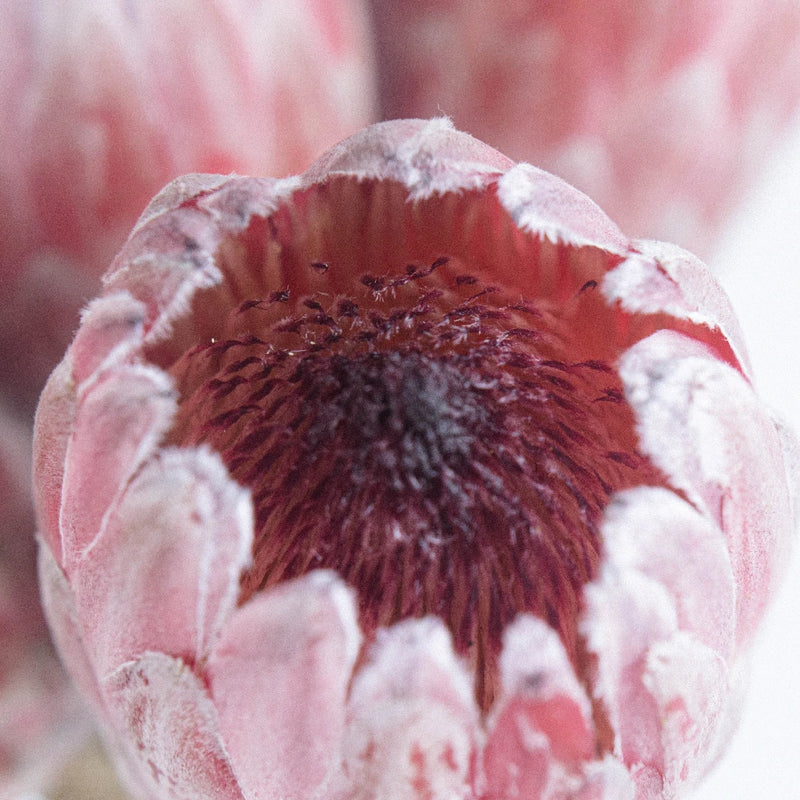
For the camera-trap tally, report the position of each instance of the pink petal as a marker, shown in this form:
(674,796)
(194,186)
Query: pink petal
(279,679)
(176,193)
(43,721)
(605,780)
(661,686)
(701,423)
(132,407)
(427,156)
(111,329)
(164,574)
(174,257)
(167,731)
(689,683)
(626,615)
(661,278)
(66,626)
(411,719)
(544,205)
(52,433)
(650,530)
(542,722)
(233,205)
(155,541)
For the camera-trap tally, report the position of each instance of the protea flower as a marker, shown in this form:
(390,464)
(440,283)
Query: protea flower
(408,477)
(103,103)
(661,111)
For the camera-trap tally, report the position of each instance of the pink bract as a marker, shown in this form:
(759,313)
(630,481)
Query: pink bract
(41,718)
(380,482)
(102,103)
(661,111)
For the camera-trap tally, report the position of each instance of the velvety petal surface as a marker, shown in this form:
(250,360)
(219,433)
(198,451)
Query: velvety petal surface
(542,731)
(663,279)
(279,679)
(662,628)
(411,729)
(700,422)
(427,156)
(164,575)
(131,406)
(543,204)
(636,525)
(167,732)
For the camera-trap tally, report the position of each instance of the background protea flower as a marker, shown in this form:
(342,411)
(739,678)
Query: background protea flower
(379,481)
(103,103)
(661,111)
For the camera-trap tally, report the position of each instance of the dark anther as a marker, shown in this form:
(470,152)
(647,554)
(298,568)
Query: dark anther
(374,282)
(627,459)
(247,305)
(347,308)
(610,395)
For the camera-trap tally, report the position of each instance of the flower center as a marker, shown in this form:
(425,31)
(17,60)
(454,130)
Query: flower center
(427,436)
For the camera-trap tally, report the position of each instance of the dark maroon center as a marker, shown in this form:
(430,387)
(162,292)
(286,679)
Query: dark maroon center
(427,436)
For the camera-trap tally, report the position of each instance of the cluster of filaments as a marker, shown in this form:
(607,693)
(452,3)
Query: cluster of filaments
(425,436)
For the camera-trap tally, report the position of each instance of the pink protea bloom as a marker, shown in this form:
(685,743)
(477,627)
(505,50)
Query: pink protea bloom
(408,477)
(661,111)
(102,103)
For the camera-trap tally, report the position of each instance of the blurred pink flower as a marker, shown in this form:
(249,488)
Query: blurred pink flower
(408,477)
(102,103)
(661,112)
